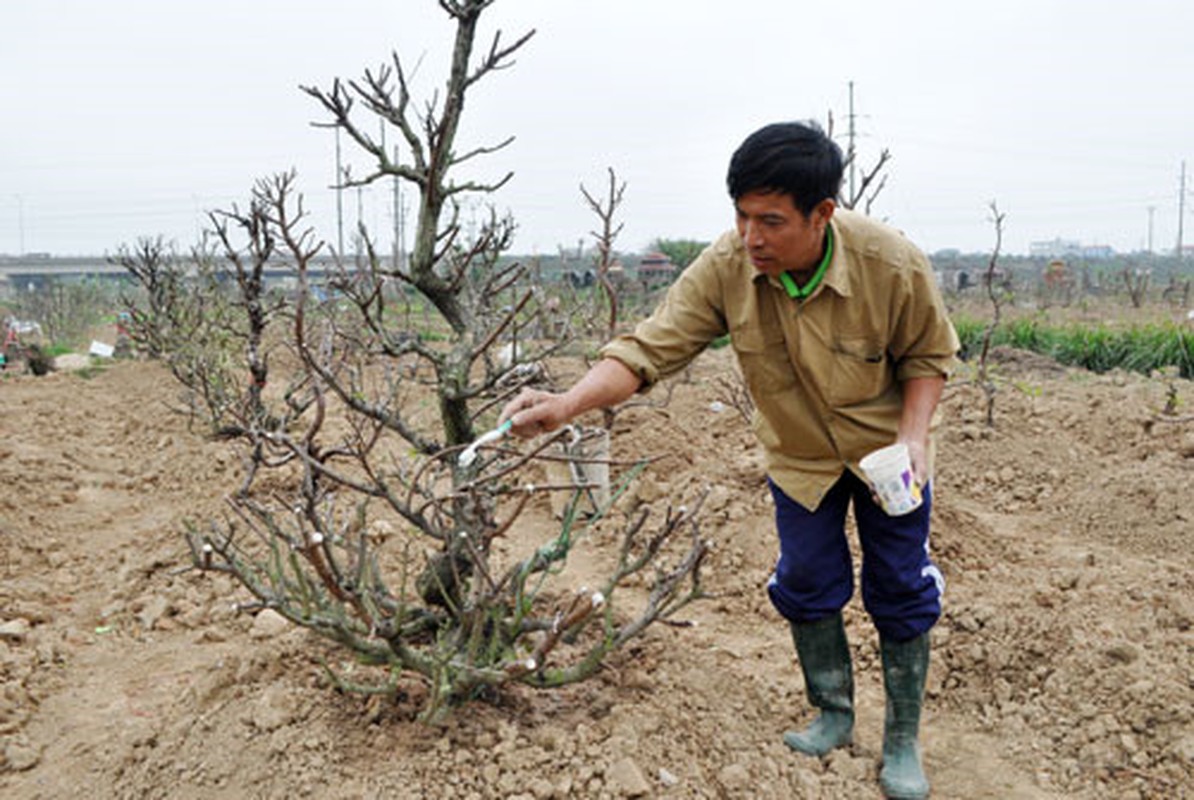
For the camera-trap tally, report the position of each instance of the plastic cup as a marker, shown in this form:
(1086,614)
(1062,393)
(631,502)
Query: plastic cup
(889,472)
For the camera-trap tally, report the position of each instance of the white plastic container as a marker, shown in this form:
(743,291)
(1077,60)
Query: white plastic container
(588,473)
(889,472)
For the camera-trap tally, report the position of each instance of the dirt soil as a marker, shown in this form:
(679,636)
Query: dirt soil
(1062,667)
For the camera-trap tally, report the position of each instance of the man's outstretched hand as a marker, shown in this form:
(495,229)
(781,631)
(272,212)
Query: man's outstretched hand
(534,412)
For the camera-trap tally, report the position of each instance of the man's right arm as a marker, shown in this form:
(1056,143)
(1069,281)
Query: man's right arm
(607,383)
(689,317)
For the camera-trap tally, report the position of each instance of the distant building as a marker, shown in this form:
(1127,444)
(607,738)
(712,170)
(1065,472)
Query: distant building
(1069,248)
(656,269)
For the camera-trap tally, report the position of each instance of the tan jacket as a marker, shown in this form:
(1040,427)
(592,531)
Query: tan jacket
(825,372)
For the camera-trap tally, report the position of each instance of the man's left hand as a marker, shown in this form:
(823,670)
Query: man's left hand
(918,455)
(920,399)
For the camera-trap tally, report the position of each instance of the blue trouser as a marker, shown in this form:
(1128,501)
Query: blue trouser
(814,577)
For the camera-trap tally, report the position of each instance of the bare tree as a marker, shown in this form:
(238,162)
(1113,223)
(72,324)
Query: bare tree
(1136,281)
(733,392)
(214,326)
(1177,292)
(983,376)
(605,209)
(872,178)
(182,316)
(366,475)
(159,274)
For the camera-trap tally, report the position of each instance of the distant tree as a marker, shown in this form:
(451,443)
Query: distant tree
(682,252)
(1057,284)
(65,309)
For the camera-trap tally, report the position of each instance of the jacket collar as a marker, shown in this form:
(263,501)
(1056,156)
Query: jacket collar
(837,276)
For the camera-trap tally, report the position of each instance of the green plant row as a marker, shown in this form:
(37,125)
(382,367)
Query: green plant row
(1098,348)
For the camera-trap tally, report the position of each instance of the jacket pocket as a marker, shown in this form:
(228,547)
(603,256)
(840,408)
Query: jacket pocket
(763,356)
(861,371)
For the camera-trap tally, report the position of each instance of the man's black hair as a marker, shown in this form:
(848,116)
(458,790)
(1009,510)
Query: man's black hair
(792,158)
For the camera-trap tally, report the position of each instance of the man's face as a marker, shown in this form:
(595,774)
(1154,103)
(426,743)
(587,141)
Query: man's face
(778,237)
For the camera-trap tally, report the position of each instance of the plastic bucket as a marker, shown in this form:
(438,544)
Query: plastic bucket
(581,461)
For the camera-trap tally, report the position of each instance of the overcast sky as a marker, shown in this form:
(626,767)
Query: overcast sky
(129,118)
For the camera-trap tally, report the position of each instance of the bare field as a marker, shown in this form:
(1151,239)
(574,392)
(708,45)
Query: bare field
(1062,667)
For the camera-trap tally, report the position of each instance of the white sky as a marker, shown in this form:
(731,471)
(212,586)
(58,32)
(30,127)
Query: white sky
(128,118)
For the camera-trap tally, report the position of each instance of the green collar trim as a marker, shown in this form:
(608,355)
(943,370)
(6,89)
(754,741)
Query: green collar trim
(801,292)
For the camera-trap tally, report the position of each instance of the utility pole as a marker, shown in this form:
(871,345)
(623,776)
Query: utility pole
(399,217)
(358,238)
(851,152)
(1151,209)
(21,222)
(1181,210)
(395,206)
(339,199)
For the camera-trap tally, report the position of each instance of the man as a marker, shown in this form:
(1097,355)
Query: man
(845,345)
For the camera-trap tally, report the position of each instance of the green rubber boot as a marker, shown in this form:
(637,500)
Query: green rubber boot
(829,680)
(905,665)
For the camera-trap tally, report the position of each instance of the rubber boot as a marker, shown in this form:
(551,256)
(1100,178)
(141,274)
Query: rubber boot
(829,680)
(905,665)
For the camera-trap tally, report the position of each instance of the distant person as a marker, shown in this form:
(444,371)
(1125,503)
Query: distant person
(845,345)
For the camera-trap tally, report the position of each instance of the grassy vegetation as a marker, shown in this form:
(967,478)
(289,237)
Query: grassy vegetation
(1094,346)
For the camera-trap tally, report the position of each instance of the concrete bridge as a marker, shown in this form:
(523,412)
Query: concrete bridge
(31,271)
(19,272)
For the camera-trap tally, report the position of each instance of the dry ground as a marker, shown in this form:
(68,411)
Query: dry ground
(1062,667)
